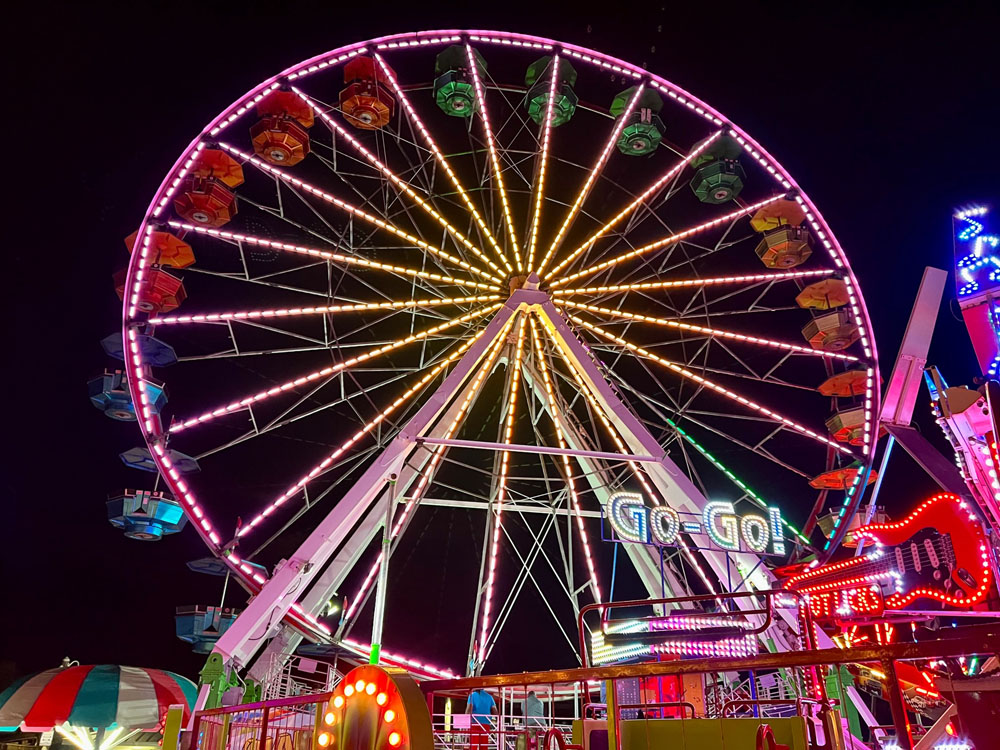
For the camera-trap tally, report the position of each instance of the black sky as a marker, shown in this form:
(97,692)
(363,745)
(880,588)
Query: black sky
(887,117)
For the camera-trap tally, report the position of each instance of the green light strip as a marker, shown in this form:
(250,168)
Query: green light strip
(735,479)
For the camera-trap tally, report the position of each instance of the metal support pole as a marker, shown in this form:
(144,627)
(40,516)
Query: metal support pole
(896,705)
(383,572)
(875,490)
(265,715)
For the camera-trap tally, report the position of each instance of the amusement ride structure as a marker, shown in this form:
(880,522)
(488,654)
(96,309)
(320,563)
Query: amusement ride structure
(491,274)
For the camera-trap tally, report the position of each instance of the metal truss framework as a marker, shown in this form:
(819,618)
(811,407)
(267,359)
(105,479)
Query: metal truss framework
(333,548)
(396,233)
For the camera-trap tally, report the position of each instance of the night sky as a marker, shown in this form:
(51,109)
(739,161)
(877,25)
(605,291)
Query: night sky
(888,119)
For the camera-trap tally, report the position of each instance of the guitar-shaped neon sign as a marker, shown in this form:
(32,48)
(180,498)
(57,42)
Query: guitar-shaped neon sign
(939,552)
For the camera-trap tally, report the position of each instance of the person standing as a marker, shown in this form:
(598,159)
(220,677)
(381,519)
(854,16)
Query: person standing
(534,711)
(481,705)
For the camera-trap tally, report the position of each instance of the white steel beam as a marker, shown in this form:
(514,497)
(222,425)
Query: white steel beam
(263,614)
(674,486)
(908,373)
(536,449)
(283,645)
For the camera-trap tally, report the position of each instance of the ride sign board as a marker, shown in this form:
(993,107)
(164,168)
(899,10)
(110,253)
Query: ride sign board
(717,525)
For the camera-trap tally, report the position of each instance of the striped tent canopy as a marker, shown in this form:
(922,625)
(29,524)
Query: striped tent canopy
(94,697)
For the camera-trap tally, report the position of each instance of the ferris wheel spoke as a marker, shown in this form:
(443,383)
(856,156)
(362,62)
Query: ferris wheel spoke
(494,156)
(649,210)
(400,184)
(662,412)
(263,282)
(355,211)
(758,340)
(663,242)
(627,211)
(318,310)
(288,416)
(701,304)
(328,371)
(721,390)
(350,465)
(539,190)
(333,257)
(681,283)
(380,202)
(634,467)
(439,156)
(513,389)
(342,340)
(525,565)
(323,465)
(567,466)
(592,176)
(347,235)
(759,448)
(664,263)
(438,453)
(746,372)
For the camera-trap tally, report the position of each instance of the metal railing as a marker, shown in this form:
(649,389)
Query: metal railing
(282,724)
(573,702)
(820,713)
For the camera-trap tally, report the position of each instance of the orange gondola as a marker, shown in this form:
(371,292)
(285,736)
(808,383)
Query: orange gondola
(165,249)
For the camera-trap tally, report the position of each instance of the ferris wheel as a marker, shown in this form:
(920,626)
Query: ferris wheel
(491,274)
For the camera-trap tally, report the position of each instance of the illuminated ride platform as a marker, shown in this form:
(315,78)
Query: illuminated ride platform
(683,703)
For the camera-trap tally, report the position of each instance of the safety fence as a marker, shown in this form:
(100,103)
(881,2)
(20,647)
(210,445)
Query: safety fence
(282,724)
(804,699)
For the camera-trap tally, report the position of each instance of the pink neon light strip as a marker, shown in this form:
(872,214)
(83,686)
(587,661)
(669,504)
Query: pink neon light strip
(347,444)
(327,371)
(515,380)
(669,175)
(494,157)
(546,138)
(401,661)
(399,183)
(250,103)
(318,310)
(684,372)
(425,476)
(355,211)
(708,331)
(174,184)
(429,140)
(326,255)
(570,482)
(672,239)
(589,183)
(746,279)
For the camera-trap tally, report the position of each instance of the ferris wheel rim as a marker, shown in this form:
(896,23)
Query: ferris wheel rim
(251,579)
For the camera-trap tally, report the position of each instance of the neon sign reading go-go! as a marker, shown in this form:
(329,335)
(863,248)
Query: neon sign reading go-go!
(660,526)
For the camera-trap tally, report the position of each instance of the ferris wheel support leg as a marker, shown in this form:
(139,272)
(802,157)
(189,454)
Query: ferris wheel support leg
(280,647)
(595,475)
(263,614)
(673,484)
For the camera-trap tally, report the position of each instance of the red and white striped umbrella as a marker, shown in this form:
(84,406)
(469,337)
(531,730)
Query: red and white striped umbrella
(94,697)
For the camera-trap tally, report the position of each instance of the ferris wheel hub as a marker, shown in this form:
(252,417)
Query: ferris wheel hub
(523,281)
